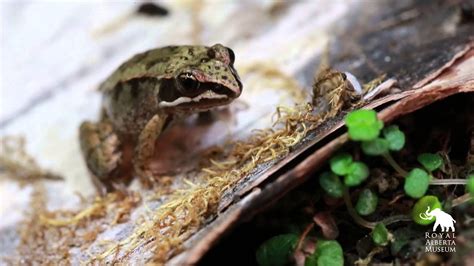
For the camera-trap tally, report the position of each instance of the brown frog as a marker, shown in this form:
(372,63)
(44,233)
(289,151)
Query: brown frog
(144,95)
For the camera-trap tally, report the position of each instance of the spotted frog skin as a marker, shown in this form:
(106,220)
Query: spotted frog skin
(144,95)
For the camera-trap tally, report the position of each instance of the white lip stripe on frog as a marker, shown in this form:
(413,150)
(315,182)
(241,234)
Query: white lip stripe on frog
(207,95)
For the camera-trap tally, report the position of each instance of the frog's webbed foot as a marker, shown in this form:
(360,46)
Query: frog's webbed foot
(145,149)
(100,147)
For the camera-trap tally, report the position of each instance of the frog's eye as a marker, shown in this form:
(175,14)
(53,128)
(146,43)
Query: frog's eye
(231,55)
(188,85)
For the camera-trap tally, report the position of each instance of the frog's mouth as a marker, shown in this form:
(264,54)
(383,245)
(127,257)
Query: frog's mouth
(209,95)
(204,100)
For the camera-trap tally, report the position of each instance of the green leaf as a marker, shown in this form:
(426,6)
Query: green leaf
(416,183)
(367,202)
(363,125)
(277,250)
(470,185)
(395,137)
(375,147)
(331,184)
(380,234)
(421,206)
(430,161)
(340,163)
(358,172)
(328,253)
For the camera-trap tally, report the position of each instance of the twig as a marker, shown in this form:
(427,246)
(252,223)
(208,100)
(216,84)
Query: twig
(462,199)
(370,225)
(303,235)
(352,212)
(445,182)
(396,219)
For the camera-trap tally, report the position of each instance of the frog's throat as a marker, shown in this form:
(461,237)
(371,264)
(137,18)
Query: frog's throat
(208,95)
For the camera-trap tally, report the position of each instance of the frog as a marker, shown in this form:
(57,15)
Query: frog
(143,96)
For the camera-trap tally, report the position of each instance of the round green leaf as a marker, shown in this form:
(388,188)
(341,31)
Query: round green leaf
(367,202)
(416,183)
(420,208)
(470,185)
(395,137)
(328,253)
(375,147)
(340,163)
(358,172)
(430,161)
(277,250)
(380,234)
(331,184)
(363,125)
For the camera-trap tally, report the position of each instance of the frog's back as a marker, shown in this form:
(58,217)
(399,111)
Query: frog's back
(156,63)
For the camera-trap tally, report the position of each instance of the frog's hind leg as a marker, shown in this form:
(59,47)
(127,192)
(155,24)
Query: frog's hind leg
(101,149)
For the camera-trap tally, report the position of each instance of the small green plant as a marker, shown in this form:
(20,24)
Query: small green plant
(417,180)
(430,161)
(340,163)
(363,125)
(347,173)
(331,184)
(328,253)
(380,235)
(277,250)
(427,202)
(395,137)
(416,183)
(375,147)
(354,172)
(358,172)
(367,202)
(375,140)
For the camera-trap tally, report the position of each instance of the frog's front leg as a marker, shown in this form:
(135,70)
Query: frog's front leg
(145,148)
(100,147)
